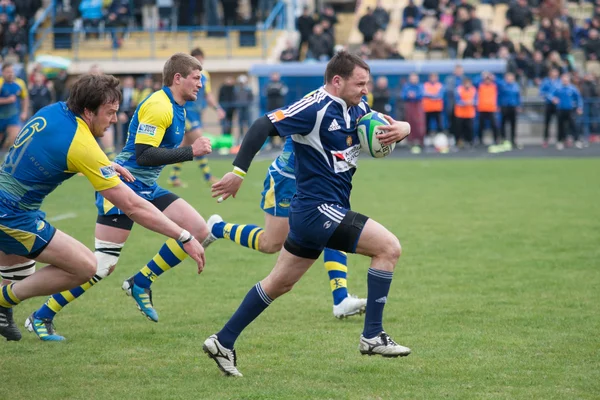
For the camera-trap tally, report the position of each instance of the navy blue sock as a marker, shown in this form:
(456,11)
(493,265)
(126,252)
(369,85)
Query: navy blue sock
(255,302)
(378,284)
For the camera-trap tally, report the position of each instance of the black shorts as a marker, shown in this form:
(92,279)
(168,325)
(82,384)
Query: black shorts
(122,221)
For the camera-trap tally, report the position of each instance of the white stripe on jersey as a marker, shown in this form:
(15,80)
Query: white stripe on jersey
(328,214)
(303,104)
(280,172)
(313,139)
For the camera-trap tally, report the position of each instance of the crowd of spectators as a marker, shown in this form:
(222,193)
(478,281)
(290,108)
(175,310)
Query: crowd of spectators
(15,20)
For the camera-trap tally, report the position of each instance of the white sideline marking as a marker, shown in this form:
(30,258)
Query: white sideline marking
(60,217)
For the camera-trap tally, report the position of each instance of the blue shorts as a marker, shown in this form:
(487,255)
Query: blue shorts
(193,120)
(150,193)
(311,226)
(25,234)
(12,121)
(279,189)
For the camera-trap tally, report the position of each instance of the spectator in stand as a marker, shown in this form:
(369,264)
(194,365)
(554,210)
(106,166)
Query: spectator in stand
(304,25)
(382,17)
(433,102)
(91,14)
(412,95)
(367,25)
(437,38)
(489,46)
(555,61)
(27,9)
(149,14)
(381,96)
(474,47)
(561,42)
(40,94)
(542,44)
(227,101)
(451,84)
(523,61)
(510,101)
(465,111)
(379,49)
(430,7)
(144,90)
(319,45)
(328,34)
(547,88)
(453,36)
(568,101)
(15,42)
(546,27)
(538,69)
(423,38)
(447,17)
(473,24)
(566,19)
(463,5)
(519,14)
(504,54)
(243,99)
(7,7)
(487,106)
(592,46)
(581,34)
(364,52)
(506,42)
(411,15)
(60,85)
(328,15)
(290,53)
(119,14)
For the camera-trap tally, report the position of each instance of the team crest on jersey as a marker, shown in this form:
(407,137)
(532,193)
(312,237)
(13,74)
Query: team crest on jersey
(146,129)
(345,160)
(40,225)
(108,171)
(349,141)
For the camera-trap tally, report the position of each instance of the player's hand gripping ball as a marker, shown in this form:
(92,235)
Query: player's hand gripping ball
(368,129)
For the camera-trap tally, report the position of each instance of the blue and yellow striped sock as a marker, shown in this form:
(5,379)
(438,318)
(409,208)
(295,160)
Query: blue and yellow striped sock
(169,256)
(244,235)
(175,172)
(336,265)
(56,302)
(203,165)
(7,296)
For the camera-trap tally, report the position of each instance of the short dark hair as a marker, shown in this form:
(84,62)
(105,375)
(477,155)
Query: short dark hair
(6,65)
(197,52)
(343,64)
(179,63)
(92,91)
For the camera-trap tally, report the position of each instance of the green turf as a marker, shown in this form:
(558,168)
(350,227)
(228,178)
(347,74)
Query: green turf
(497,293)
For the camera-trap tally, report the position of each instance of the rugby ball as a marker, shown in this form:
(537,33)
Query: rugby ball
(368,127)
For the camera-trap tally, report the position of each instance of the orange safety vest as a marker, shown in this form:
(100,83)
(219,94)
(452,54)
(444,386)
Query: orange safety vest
(487,100)
(467,96)
(432,105)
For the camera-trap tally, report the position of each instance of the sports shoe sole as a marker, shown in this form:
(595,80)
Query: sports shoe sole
(358,312)
(370,353)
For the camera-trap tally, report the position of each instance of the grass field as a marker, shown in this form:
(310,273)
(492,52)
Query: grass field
(497,293)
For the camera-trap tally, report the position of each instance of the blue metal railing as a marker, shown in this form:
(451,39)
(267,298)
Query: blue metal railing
(74,39)
(50,10)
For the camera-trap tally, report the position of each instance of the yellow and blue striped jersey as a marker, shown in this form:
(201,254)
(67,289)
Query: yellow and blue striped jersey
(18,88)
(200,103)
(53,146)
(159,122)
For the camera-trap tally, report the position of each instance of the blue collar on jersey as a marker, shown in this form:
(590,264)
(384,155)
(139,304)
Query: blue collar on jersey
(342,103)
(170,95)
